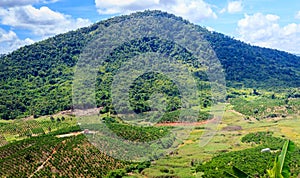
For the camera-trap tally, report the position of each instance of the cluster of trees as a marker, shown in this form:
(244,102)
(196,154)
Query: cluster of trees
(133,168)
(136,133)
(265,105)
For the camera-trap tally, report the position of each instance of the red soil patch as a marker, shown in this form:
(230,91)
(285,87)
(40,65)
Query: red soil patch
(232,128)
(184,123)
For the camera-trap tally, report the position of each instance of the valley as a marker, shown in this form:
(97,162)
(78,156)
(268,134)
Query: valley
(50,128)
(184,161)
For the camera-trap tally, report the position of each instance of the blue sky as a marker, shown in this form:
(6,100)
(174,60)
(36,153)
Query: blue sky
(267,23)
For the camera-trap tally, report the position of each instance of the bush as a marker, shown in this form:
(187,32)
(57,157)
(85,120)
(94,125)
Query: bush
(164,170)
(119,173)
(204,116)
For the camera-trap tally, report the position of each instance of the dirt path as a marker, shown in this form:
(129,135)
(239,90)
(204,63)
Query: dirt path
(69,134)
(43,164)
(236,112)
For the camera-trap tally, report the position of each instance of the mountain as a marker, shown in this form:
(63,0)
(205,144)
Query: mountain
(37,79)
(255,66)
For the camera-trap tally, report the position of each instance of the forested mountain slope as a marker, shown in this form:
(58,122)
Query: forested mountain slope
(37,79)
(254,66)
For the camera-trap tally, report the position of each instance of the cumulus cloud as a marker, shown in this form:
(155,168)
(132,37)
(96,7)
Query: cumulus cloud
(233,7)
(7,36)
(194,10)
(42,22)
(264,30)
(9,41)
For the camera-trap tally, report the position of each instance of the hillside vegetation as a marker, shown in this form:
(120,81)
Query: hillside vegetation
(37,79)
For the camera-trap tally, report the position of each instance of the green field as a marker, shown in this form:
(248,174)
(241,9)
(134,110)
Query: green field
(223,142)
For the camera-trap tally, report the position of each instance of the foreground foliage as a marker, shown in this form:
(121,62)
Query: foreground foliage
(257,162)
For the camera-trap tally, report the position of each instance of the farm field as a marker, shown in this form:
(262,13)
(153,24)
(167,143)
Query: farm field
(179,164)
(184,161)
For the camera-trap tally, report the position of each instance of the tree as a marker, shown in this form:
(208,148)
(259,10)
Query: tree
(52,118)
(255,92)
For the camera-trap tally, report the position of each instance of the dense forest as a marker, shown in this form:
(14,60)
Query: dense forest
(37,79)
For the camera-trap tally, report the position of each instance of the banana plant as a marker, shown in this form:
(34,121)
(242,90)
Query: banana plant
(237,173)
(280,168)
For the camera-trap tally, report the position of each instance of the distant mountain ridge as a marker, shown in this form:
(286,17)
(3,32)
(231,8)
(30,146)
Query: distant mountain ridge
(254,66)
(37,79)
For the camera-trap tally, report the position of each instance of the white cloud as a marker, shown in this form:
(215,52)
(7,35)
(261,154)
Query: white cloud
(297,15)
(9,41)
(210,29)
(42,22)
(7,36)
(194,10)
(264,30)
(233,7)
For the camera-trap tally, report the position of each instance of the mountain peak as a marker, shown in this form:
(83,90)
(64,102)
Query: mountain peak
(40,75)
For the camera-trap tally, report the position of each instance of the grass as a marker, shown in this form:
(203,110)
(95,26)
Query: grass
(190,150)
